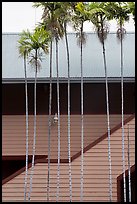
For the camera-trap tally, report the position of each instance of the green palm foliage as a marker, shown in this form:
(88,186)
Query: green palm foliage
(51,18)
(99,14)
(32,44)
(80,16)
(121,15)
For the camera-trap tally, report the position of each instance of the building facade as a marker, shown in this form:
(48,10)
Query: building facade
(96,165)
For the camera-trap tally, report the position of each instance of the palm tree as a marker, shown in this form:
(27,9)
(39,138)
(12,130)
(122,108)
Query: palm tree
(69,152)
(66,11)
(79,17)
(46,14)
(122,15)
(56,34)
(40,40)
(52,22)
(58,103)
(100,12)
(23,53)
(65,19)
(34,42)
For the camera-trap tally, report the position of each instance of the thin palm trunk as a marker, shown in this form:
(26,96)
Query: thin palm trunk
(69,153)
(34,138)
(108,117)
(27,129)
(58,102)
(122,113)
(129,173)
(82,128)
(49,127)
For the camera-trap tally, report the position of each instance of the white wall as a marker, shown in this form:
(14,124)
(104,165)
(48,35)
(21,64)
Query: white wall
(12,65)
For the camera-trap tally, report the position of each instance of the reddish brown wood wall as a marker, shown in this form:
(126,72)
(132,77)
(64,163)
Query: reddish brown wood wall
(96,179)
(13,129)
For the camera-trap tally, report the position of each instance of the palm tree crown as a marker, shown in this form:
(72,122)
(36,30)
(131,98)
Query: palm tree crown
(30,42)
(52,18)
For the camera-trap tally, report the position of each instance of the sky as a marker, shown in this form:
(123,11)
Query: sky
(18,16)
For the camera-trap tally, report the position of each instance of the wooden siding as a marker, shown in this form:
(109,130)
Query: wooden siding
(96,179)
(13,129)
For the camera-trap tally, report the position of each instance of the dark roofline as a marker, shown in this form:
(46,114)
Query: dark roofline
(64,80)
(87,32)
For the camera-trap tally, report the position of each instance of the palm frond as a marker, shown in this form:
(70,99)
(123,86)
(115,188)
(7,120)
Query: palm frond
(100,13)
(30,42)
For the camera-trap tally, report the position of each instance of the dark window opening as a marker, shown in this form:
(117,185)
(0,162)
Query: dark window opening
(121,188)
(13,98)
(11,166)
(14,165)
